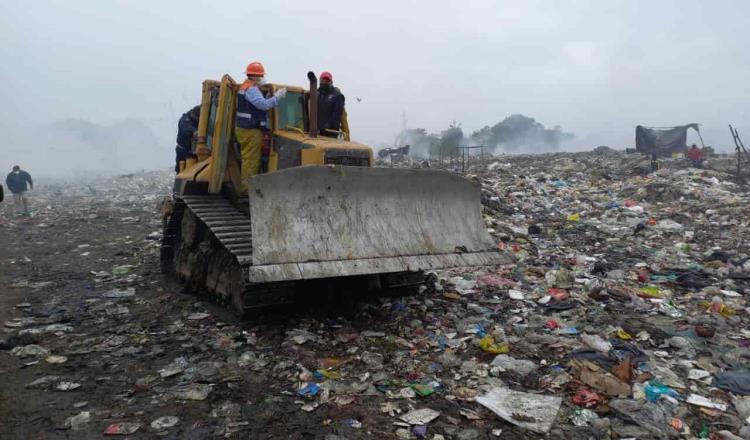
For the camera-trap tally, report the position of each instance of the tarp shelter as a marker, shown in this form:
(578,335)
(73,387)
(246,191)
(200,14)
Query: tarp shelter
(664,141)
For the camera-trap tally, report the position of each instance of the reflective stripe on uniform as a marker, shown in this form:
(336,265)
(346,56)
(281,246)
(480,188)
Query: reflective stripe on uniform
(244,115)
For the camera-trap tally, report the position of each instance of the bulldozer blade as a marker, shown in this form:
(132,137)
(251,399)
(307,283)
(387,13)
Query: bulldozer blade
(328,221)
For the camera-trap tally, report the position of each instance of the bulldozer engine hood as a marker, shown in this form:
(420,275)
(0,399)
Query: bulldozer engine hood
(321,142)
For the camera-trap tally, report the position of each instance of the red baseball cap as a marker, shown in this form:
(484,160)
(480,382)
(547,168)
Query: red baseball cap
(326,75)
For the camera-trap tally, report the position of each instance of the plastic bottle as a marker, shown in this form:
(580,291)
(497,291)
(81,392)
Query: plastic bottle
(655,389)
(596,342)
(667,308)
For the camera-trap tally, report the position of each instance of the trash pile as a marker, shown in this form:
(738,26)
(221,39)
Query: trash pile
(631,285)
(624,315)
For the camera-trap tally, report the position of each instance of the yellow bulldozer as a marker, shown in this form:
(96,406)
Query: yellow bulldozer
(318,215)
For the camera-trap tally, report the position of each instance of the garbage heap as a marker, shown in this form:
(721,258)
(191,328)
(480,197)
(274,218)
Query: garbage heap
(624,315)
(629,297)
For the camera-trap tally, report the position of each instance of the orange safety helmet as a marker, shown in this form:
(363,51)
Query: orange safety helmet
(255,69)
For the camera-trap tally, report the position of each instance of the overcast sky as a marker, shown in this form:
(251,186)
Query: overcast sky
(596,68)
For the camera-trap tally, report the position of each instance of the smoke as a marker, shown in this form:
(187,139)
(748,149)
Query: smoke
(82,148)
(420,142)
(519,133)
(515,134)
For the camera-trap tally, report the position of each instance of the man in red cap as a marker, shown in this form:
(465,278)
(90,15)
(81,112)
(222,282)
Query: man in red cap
(330,106)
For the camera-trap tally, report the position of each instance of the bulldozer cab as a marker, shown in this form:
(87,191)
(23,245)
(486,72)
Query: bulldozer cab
(291,113)
(293,138)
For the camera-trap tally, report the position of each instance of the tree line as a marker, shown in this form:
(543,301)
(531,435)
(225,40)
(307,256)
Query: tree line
(514,134)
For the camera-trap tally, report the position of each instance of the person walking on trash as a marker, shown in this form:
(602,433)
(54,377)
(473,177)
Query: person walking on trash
(19,182)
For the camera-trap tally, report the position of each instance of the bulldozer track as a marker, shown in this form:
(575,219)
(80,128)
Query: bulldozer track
(208,244)
(229,225)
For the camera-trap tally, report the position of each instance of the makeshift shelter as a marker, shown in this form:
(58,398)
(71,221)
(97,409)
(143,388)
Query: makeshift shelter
(663,140)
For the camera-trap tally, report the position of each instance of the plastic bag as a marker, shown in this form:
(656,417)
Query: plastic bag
(489,345)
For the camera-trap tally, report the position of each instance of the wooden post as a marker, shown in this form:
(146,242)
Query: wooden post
(701,138)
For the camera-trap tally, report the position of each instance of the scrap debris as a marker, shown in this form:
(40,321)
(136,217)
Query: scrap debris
(624,314)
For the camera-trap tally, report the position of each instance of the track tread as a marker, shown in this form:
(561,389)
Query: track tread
(228,224)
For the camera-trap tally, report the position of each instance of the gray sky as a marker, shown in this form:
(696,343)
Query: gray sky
(597,68)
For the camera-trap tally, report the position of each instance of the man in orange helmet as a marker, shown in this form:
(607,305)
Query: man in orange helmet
(252,119)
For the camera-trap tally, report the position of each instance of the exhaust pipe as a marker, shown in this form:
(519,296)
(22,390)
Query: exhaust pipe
(313,110)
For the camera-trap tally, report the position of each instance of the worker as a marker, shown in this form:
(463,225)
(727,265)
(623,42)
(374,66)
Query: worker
(654,161)
(330,106)
(19,182)
(252,119)
(186,129)
(696,156)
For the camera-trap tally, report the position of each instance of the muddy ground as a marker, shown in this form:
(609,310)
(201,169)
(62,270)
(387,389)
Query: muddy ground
(55,269)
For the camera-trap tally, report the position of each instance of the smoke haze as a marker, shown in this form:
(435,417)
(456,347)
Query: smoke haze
(596,69)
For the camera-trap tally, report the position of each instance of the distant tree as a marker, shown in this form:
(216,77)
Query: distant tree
(483,136)
(449,141)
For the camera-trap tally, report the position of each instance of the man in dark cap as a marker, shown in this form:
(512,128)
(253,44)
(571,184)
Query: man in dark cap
(330,106)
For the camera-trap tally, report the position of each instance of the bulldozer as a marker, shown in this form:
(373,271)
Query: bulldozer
(317,217)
